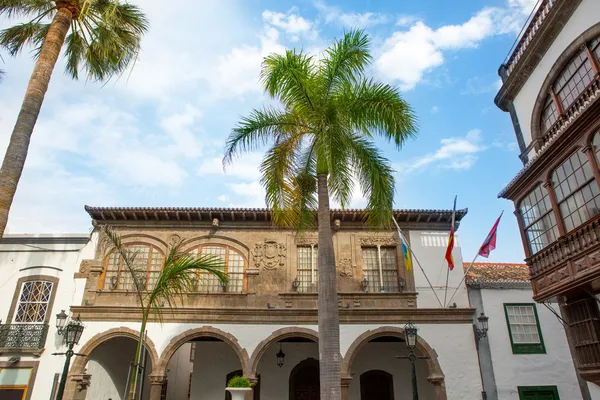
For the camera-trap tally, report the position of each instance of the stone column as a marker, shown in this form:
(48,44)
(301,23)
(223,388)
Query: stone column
(156,386)
(346,381)
(439,386)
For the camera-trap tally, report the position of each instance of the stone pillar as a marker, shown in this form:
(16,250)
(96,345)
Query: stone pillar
(439,386)
(156,385)
(346,381)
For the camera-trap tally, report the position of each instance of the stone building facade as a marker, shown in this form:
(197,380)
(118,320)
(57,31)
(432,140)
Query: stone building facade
(268,306)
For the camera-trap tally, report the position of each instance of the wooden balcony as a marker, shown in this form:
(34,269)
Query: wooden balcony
(570,262)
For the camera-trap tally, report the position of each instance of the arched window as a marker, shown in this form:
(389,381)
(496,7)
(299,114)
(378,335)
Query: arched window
(571,82)
(576,190)
(235,264)
(538,218)
(148,260)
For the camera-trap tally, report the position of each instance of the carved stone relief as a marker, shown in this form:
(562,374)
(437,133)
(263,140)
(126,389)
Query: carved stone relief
(307,241)
(378,241)
(174,240)
(345,267)
(269,255)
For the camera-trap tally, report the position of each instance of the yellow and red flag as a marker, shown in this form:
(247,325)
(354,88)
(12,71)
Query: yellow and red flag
(449,257)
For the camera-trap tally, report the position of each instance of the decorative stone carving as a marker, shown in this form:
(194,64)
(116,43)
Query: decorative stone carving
(82,381)
(84,268)
(378,241)
(157,379)
(174,240)
(89,268)
(215,222)
(269,255)
(345,267)
(337,224)
(307,241)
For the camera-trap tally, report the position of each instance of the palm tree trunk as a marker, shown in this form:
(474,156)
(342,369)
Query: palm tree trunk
(134,376)
(16,153)
(329,318)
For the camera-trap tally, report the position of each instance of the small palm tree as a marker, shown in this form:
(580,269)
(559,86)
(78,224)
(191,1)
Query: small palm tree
(102,39)
(322,138)
(179,275)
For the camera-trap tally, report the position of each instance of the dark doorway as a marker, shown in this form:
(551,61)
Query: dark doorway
(12,393)
(376,385)
(255,391)
(304,381)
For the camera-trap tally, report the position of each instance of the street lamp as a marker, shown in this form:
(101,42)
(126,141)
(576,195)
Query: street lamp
(280,357)
(364,284)
(481,330)
(410,337)
(72,333)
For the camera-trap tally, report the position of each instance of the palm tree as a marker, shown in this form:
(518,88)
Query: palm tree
(322,137)
(179,276)
(102,39)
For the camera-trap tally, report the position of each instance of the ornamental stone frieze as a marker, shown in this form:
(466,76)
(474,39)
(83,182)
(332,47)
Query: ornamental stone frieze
(378,241)
(269,255)
(307,241)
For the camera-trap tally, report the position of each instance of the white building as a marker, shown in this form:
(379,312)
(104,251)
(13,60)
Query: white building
(220,332)
(525,353)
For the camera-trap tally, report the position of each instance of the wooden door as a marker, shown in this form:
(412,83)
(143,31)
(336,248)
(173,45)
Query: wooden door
(376,385)
(304,381)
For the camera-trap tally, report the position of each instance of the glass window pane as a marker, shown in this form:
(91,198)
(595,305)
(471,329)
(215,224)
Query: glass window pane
(523,324)
(33,302)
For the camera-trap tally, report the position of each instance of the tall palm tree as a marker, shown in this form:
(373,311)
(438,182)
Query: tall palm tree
(179,275)
(102,39)
(322,137)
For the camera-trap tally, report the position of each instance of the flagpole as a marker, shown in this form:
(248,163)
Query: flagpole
(402,237)
(451,229)
(464,276)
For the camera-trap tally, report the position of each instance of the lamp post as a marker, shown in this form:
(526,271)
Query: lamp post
(410,337)
(71,333)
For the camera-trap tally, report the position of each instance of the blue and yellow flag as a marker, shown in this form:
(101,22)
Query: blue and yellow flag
(407,258)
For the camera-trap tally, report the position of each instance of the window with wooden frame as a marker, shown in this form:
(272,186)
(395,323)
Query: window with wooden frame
(380,269)
(538,393)
(14,383)
(538,219)
(576,190)
(34,302)
(235,267)
(308,271)
(148,263)
(577,75)
(524,328)
(583,318)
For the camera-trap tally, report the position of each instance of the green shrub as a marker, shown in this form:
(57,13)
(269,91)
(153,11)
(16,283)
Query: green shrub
(239,382)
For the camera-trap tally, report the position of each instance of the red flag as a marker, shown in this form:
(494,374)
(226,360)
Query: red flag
(449,257)
(489,243)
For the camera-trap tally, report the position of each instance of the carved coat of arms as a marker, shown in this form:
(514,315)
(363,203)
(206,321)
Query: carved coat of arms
(269,255)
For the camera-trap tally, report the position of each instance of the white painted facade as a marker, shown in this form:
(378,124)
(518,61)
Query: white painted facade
(108,363)
(586,15)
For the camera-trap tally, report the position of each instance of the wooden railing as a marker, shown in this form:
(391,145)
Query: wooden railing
(569,246)
(579,105)
(534,25)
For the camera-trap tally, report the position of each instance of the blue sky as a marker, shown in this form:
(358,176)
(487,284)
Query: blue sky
(155,137)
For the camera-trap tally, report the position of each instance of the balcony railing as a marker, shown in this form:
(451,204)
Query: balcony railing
(535,23)
(573,244)
(23,336)
(585,99)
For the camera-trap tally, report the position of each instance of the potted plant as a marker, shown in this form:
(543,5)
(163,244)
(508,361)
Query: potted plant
(238,386)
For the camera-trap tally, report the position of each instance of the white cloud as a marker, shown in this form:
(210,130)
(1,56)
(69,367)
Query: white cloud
(291,23)
(333,14)
(407,55)
(245,167)
(453,153)
(435,109)
(223,199)
(179,127)
(478,85)
(406,20)
(248,194)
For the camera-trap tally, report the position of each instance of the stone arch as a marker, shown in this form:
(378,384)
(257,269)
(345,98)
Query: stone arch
(436,376)
(191,334)
(96,340)
(218,240)
(283,333)
(557,67)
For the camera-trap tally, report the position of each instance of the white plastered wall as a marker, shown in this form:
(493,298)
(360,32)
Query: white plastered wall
(586,15)
(555,368)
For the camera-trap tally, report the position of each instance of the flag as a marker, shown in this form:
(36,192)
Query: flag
(406,253)
(449,257)
(489,243)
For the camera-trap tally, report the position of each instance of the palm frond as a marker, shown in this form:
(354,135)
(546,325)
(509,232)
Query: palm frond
(289,78)
(345,60)
(376,178)
(374,107)
(14,38)
(258,129)
(25,8)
